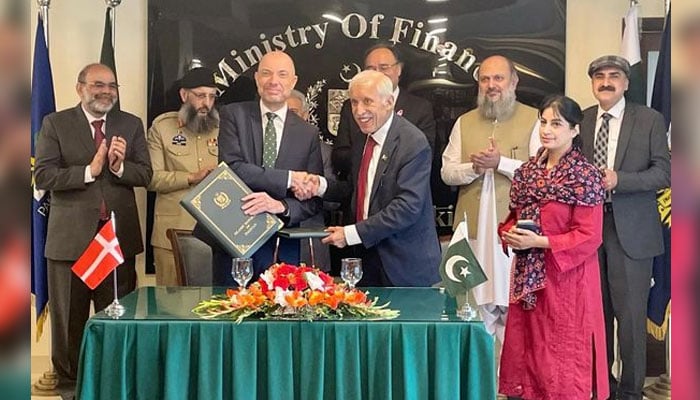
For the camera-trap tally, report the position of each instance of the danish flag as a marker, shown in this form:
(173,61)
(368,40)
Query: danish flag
(100,258)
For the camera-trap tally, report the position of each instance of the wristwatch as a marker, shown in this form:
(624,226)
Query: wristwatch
(285,213)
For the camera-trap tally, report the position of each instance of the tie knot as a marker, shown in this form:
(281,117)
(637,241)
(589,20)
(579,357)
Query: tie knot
(270,116)
(97,124)
(606,117)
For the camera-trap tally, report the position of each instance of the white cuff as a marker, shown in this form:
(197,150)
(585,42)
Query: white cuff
(88,178)
(351,236)
(322,186)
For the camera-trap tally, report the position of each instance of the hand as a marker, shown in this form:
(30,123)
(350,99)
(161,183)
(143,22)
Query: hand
(98,161)
(309,187)
(609,179)
(116,153)
(522,239)
(486,159)
(304,185)
(336,238)
(260,202)
(195,177)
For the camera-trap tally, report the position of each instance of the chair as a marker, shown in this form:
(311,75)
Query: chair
(193,258)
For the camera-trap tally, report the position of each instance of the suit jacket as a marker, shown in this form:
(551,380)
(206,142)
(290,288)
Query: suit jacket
(642,163)
(64,148)
(241,147)
(415,109)
(400,222)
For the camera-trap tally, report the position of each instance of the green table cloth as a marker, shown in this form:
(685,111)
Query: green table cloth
(160,350)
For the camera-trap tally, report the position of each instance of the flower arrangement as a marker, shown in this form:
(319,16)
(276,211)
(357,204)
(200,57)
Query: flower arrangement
(297,292)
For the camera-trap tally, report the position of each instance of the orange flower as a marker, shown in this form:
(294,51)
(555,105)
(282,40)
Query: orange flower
(316,298)
(355,297)
(295,299)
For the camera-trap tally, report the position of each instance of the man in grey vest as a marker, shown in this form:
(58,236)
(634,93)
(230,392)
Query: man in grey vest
(486,145)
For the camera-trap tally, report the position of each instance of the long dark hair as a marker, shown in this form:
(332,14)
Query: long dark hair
(566,108)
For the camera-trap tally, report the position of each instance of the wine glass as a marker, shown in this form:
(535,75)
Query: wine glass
(242,270)
(351,271)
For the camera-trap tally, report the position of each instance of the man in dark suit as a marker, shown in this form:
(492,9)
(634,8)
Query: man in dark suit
(90,157)
(270,148)
(393,223)
(628,142)
(385,59)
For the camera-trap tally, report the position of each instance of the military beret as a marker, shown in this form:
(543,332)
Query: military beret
(198,77)
(609,61)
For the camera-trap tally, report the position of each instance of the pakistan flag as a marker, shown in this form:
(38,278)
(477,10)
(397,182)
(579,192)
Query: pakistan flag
(459,269)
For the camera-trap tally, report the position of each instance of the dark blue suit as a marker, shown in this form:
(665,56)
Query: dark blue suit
(400,226)
(241,147)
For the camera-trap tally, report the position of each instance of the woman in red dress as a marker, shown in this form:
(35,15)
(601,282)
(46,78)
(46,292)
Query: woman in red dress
(555,336)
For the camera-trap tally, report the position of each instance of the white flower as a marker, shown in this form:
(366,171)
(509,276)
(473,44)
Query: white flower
(279,296)
(315,282)
(267,277)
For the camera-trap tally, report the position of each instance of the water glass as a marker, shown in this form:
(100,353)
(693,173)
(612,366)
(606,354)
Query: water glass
(242,270)
(351,271)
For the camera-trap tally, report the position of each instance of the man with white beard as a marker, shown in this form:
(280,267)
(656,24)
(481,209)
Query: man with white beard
(184,149)
(486,145)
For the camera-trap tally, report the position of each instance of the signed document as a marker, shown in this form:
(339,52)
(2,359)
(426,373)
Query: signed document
(216,204)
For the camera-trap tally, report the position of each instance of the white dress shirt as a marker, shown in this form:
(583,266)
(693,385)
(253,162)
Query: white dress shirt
(617,111)
(279,128)
(351,235)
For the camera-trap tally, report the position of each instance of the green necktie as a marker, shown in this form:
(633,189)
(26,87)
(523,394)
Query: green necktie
(270,142)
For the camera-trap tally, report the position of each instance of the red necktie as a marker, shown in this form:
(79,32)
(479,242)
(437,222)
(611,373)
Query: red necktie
(99,136)
(362,178)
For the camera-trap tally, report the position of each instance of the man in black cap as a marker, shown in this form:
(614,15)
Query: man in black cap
(628,143)
(184,148)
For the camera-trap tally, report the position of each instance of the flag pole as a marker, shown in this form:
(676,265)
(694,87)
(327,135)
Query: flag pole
(466,312)
(46,384)
(115,310)
(44,12)
(112,4)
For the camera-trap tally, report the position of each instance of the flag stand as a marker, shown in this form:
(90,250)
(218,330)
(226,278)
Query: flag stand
(115,310)
(466,312)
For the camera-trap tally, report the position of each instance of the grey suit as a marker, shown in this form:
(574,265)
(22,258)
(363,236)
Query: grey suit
(241,147)
(632,234)
(64,148)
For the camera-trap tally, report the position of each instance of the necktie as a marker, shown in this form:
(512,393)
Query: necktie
(270,142)
(99,136)
(600,152)
(362,178)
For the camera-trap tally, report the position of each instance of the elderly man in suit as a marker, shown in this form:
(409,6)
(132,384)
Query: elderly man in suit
(90,157)
(628,142)
(184,150)
(393,223)
(270,148)
(385,59)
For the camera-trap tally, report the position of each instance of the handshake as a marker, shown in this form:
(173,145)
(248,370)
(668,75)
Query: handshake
(305,185)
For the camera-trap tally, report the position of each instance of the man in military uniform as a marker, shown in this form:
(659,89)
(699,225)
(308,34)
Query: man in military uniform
(184,149)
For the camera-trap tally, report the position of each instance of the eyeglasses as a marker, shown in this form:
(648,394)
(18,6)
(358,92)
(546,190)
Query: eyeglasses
(381,67)
(101,85)
(204,96)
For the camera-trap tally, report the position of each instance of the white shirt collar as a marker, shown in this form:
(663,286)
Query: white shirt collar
(91,118)
(616,110)
(281,113)
(380,135)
